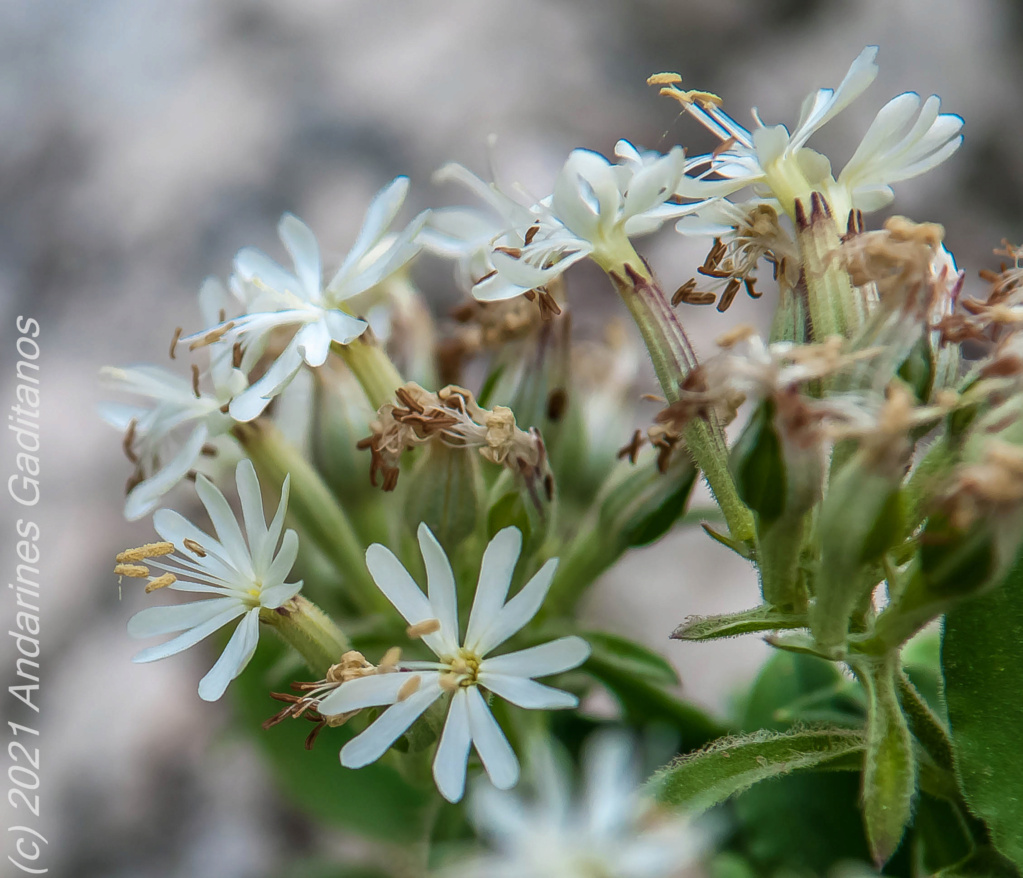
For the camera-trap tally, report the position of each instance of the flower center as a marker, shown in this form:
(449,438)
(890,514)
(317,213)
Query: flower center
(463,670)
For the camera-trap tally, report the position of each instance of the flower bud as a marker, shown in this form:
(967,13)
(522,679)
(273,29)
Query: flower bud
(445,493)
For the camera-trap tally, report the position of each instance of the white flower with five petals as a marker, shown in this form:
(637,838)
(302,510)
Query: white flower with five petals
(906,139)
(240,574)
(298,300)
(464,666)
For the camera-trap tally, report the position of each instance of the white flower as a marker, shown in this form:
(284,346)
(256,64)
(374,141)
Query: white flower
(463,667)
(608,831)
(167,438)
(778,164)
(242,574)
(280,299)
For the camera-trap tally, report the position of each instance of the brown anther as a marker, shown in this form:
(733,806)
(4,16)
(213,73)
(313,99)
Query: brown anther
(135,479)
(409,687)
(557,403)
(631,449)
(195,381)
(728,296)
(724,146)
(161,582)
(236,354)
(424,628)
(751,290)
(221,316)
(549,308)
(149,550)
(135,571)
(209,450)
(129,441)
(989,275)
(213,336)
(680,294)
(735,335)
(194,548)
(449,682)
(174,341)
(514,252)
(531,233)
(487,276)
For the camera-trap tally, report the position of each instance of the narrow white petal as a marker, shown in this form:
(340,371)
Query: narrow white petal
(233,659)
(539,661)
(527,693)
(495,752)
(376,690)
(305,253)
(282,564)
(273,532)
(193,635)
(393,722)
(343,328)
(173,527)
(499,560)
(519,610)
(228,532)
(251,502)
(176,617)
(313,343)
(147,494)
(250,404)
(381,213)
(401,590)
(440,583)
(449,765)
(278,595)
(252,264)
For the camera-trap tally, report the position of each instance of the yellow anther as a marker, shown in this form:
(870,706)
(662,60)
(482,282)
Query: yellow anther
(409,687)
(664,79)
(707,100)
(161,582)
(214,335)
(421,629)
(390,660)
(137,571)
(149,550)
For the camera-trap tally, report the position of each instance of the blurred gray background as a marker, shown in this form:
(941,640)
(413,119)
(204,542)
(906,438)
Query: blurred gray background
(143,143)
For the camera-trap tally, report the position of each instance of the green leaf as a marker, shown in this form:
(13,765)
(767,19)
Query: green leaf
(762,618)
(630,657)
(890,768)
(941,836)
(982,656)
(375,800)
(699,781)
(509,511)
(983,863)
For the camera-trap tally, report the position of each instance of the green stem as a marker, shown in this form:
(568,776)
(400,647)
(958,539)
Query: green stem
(925,724)
(304,626)
(778,548)
(673,359)
(313,509)
(372,368)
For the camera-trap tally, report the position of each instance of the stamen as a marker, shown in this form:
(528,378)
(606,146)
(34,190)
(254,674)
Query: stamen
(409,687)
(390,660)
(194,548)
(631,450)
(174,341)
(728,296)
(214,335)
(236,355)
(422,629)
(449,682)
(161,582)
(129,441)
(664,79)
(149,550)
(136,571)
(195,381)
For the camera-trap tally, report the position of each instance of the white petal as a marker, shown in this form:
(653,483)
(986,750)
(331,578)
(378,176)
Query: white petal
(277,595)
(393,722)
(175,528)
(440,584)
(376,690)
(449,765)
(146,494)
(527,693)
(313,343)
(275,574)
(495,752)
(176,617)
(233,659)
(305,253)
(401,590)
(610,779)
(251,499)
(251,264)
(381,213)
(250,404)
(343,328)
(499,560)
(539,661)
(226,525)
(273,532)
(193,635)
(519,610)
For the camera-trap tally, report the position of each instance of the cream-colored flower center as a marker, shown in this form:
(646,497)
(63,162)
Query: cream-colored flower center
(462,670)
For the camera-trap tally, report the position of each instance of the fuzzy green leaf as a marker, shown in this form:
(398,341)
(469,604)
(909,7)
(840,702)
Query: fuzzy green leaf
(630,658)
(762,618)
(981,656)
(700,780)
